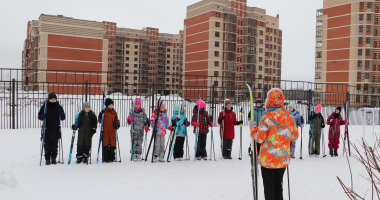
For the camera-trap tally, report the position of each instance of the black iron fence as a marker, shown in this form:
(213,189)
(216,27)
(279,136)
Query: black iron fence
(22,93)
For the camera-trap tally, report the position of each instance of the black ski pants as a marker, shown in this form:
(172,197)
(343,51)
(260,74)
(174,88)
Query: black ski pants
(272,179)
(51,148)
(178,147)
(227,147)
(201,146)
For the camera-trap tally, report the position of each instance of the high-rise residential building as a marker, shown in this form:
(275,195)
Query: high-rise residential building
(347,48)
(125,60)
(232,41)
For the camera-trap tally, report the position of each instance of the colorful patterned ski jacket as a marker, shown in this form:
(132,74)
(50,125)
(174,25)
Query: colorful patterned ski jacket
(162,123)
(204,120)
(275,132)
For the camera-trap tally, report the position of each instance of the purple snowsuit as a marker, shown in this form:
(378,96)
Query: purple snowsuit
(296,116)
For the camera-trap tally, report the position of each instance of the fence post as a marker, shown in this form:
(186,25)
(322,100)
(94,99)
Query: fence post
(309,99)
(13,103)
(86,91)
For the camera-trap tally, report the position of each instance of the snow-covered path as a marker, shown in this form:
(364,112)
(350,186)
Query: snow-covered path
(310,178)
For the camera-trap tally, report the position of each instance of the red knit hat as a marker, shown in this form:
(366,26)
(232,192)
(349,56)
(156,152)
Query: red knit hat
(275,99)
(227,101)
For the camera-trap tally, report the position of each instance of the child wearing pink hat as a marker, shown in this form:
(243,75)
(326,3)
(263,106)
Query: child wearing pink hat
(204,123)
(319,123)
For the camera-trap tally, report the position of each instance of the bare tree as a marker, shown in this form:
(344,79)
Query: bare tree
(369,159)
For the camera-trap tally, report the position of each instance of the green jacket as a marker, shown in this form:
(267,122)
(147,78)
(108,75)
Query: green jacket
(319,123)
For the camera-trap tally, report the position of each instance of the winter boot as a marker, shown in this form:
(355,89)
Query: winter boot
(85,159)
(138,158)
(331,153)
(292,156)
(180,159)
(79,160)
(225,157)
(176,159)
(155,159)
(134,159)
(48,162)
(204,158)
(161,160)
(198,158)
(335,152)
(53,161)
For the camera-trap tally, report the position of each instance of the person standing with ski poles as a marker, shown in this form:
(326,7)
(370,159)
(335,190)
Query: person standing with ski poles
(229,118)
(179,118)
(259,111)
(87,123)
(274,132)
(141,123)
(296,117)
(52,135)
(204,123)
(335,121)
(110,123)
(319,124)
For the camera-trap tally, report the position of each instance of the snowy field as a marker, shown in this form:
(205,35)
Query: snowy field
(21,177)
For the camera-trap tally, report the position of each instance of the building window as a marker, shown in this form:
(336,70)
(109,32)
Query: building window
(366,75)
(135,65)
(377,9)
(216,53)
(127,64)
(376,20)
(260,68)
(374,67)
(369,4)
(368,28)
(374,56)
(261,41)
(136,53)
(360,40)
(216,34)
(261,32)
(367,52)
(126,58)
(365,87)
(359,63)
(319,33)
(318,54)
(374,44)
(320,22)
(319,13)
(373,80)
(318,65)
(367,63)
(127,46)
(216,73)
(260,59)
(135,59)
(260,50)
(368,40)
(375,32)
(318,43)
(368,16)
(361,28)
(317,75)
(217,14)
(359,75)
(216,63)
(360,52)
(361,5)
(136,46)
(360,16)
(217,24)
(216,44)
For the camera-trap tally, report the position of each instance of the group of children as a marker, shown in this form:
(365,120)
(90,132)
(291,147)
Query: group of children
(88,122)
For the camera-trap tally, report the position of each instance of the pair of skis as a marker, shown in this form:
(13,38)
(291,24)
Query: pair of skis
(254,166)
(346,136)
(132,131)
(73,136)
(154,133)
(44,126)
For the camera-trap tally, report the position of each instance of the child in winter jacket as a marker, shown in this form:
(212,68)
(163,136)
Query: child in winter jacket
(259,111)
(204,123)
(295,114)
(110,125)
(335,121)
(228,131)
(319,123)
(162,125)
(87,123)
(141,123)
(53,114)
(274,132)
(181,125)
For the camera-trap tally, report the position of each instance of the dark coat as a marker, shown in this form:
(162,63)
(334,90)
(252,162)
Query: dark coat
(85,124)
(52,119)
(229,123)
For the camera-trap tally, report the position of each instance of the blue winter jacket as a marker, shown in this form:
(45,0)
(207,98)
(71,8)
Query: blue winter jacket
(297,117)
(181,123)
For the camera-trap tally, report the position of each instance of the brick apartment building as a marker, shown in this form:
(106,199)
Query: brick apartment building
(125,60)
(230,40)
(348,47)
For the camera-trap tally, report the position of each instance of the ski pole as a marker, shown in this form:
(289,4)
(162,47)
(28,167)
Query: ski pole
(60,132)
(118,146)
(301,144)
(287,169)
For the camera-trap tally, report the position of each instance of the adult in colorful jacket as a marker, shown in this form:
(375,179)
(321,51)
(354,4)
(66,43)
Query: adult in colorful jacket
(274,132)
(204,123)
(335,121)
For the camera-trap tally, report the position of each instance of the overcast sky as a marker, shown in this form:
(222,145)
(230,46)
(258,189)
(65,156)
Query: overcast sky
(297,20)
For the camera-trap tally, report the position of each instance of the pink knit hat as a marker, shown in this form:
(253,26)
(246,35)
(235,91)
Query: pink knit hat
(318,107)
(201,103)
(227,101)
(138,101)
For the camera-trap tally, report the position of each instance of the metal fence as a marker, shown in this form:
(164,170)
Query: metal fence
(22,93)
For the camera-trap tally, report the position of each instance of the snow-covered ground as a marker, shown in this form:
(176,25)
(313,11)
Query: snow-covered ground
(21,177)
